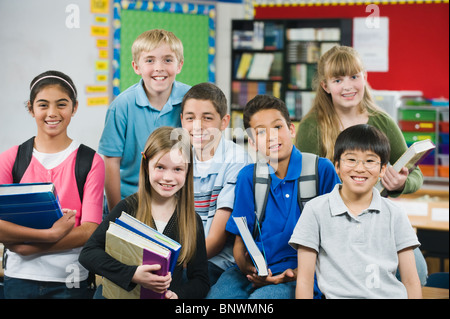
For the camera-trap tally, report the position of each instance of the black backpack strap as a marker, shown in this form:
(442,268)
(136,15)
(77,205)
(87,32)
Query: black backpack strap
(23,159)
(83,164)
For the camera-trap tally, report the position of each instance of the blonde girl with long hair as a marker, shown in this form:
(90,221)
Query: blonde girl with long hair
(164,201)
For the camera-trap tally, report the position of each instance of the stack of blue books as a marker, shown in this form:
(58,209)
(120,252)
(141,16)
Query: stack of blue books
(34,205)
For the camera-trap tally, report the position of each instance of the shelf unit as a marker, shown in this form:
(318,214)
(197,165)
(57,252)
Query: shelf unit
(428,122)
(279,57)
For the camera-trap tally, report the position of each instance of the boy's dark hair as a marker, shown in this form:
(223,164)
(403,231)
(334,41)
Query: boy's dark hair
(210,92)
(264,102)
(363,137)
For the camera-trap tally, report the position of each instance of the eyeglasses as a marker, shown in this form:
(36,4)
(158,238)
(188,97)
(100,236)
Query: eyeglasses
(352,162)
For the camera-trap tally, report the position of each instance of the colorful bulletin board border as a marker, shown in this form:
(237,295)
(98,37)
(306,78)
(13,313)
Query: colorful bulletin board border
(197,13)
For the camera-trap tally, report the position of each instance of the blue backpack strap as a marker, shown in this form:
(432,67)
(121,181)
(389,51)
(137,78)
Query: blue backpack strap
(308,182)
(23,159)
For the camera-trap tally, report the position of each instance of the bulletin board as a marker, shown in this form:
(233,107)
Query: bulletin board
(193,24)
(418,40)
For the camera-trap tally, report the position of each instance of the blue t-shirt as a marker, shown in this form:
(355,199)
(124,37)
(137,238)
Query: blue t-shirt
(282,209)
(129,121)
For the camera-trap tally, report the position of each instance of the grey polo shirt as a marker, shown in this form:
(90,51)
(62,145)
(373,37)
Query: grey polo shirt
(357,255)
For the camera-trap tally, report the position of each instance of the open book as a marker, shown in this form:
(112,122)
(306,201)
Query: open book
(259,260)
(410,159)
(34,205)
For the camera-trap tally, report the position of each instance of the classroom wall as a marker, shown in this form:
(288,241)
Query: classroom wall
(35,38)
(418,39)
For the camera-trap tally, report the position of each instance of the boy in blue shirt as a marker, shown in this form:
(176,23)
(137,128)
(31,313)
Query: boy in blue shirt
(153,102)
(217,162)
(270,132)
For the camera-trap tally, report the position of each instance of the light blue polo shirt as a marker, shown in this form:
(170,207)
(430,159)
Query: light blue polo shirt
(282,209)
(214,189)
(357,255)
(129,121)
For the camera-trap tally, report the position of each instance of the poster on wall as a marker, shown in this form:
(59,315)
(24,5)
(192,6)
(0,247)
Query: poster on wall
(371,40)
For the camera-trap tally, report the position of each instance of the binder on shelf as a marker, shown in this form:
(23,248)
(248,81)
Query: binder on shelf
(244,65)
(273,36)
(34,205)
(242,92)
(301,76)
(260,66)
(249,39)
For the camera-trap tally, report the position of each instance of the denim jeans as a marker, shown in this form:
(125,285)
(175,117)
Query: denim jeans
(234,285)
(15,288)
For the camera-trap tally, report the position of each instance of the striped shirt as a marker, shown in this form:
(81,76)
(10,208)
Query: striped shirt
(214,183)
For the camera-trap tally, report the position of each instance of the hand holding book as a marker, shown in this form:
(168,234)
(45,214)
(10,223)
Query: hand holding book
(146,276)
(409,160)
(133,243)
(63,225)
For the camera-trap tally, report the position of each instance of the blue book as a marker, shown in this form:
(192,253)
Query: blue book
(34,205)
(131,223)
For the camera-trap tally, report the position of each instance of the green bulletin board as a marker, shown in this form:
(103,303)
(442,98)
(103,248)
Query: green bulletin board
(193,24)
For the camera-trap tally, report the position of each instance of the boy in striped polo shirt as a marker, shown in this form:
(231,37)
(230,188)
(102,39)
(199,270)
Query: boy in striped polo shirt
(217,162)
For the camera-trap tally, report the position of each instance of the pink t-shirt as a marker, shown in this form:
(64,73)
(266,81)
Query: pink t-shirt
(57,266)
(63,177)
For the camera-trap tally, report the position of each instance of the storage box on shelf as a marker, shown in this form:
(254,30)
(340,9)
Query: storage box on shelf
(419,122)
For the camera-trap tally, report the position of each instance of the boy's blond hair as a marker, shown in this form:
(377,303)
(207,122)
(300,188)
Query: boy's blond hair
(151,39)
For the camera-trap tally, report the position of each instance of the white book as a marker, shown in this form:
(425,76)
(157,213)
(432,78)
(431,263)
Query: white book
(411,158)
(260,67)
(259,260)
